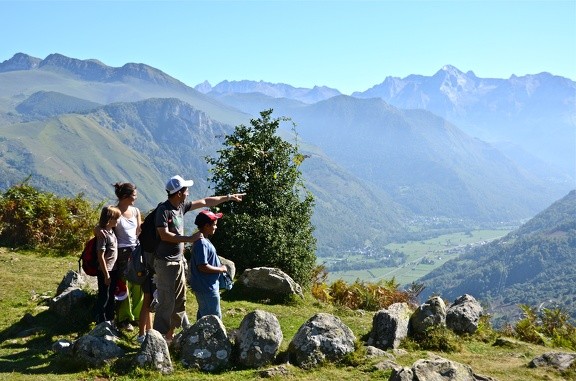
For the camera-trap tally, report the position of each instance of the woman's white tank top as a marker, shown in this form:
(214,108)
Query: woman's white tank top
(126,229)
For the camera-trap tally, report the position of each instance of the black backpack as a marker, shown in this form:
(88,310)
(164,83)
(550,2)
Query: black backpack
(136,270)
(148,236)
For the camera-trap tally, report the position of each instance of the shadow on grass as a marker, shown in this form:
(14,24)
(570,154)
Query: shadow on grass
(240,292)
(26,346)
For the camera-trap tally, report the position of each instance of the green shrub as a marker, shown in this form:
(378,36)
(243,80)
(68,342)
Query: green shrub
(549,327)
(33,219)
(358,295)
(436,338)
(570,373)
(485,332)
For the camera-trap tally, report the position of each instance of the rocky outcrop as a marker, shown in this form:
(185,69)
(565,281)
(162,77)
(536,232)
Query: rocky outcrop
(74,279)
(390,326)
(464,315)
(66,304)
(557,360)
(322,338)
(429,314)
(98,347)
(154,353)
(258,339)
(270,279)
(437,369)
(230,266)
(205,345)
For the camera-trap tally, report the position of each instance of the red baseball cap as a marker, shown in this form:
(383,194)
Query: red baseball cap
(205,217)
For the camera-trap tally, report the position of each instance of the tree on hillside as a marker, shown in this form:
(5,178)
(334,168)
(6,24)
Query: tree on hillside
(271,227)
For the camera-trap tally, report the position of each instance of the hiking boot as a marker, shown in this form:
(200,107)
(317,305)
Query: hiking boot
(140,339)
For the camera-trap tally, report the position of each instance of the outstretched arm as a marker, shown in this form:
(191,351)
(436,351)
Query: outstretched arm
(216,200)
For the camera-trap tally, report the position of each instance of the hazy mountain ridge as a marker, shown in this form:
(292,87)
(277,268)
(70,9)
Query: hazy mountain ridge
(533,265)
(20,61)
(93,81)
(423,162)
(465,89)
(535,112)
(50,103)
(88,70)
(277,90)
(253,103)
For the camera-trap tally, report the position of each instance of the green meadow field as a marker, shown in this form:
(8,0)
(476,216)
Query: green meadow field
(423,257)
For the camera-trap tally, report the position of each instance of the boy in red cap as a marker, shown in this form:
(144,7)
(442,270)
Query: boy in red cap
(205,267)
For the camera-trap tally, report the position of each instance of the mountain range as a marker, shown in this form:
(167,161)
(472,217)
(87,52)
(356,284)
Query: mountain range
(79,126)
(533,113)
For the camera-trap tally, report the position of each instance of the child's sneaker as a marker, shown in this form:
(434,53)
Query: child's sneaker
(140,339)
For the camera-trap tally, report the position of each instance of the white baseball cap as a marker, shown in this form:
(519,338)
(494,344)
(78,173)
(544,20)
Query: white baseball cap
(176,183)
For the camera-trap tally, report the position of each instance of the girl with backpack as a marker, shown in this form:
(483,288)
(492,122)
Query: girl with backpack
(107,253)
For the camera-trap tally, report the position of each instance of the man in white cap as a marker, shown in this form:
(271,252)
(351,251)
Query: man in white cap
(169,263)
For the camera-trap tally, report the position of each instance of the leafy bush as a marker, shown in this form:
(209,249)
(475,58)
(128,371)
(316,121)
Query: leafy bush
(570,373)
(485,332)
(320,290)
(359,295)
(33,219)
(549,327)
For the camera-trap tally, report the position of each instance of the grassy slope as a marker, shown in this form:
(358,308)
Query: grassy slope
(26,277)
(83,140)
(18,85)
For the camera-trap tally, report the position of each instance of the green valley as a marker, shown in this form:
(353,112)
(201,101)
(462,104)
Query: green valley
(411,260)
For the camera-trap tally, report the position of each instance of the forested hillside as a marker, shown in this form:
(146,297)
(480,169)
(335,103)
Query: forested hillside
(535,265)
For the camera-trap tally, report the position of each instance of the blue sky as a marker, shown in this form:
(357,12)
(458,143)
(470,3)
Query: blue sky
(347,45)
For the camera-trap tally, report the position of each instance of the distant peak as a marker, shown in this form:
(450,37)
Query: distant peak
(20,61)
(451,70)
(72,64)
(58,59)
(92,70)
(470,73)
(88,69)
(204,87)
